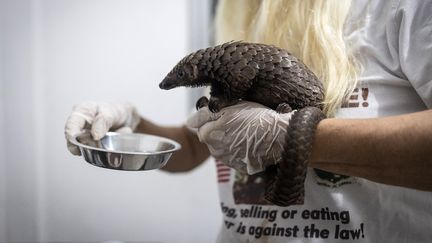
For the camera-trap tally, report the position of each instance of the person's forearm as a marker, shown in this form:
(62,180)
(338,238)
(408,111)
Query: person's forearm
(394,150)
(192,153)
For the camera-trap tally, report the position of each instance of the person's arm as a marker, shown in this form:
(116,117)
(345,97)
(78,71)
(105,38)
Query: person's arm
(192,153)
(101,117)
(394,150)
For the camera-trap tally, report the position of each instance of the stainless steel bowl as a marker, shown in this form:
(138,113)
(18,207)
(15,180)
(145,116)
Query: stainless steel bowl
(126,151)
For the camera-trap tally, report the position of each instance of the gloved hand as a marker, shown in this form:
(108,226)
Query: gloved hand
(247,136)
(100,118)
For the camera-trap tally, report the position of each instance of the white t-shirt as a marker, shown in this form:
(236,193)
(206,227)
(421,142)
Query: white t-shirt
(394,39)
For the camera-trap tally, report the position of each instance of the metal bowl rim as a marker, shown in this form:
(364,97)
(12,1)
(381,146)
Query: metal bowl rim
(177,146)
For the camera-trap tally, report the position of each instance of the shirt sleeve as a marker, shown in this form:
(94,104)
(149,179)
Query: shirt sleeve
(415,45)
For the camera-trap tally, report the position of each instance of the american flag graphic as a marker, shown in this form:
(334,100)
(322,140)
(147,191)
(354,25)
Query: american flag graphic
(223,172)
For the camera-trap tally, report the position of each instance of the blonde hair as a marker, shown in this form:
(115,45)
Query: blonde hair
(312,30)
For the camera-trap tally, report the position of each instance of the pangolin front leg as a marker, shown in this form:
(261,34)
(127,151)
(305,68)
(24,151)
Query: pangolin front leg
(216,103)
(283,108)
(202,102)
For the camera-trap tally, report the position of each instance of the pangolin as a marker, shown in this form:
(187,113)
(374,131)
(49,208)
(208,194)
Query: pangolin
(268,75)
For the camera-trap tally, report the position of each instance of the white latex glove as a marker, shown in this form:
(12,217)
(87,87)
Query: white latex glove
(100,118)
(247,136)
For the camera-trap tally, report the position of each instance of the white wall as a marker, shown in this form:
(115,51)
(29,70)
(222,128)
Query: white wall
(2,138)
(19,126)
(59,53)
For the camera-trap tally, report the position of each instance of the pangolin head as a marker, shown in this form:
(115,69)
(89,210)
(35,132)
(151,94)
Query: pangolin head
(185,73)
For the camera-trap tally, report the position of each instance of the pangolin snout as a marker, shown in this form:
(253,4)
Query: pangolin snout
(167,84)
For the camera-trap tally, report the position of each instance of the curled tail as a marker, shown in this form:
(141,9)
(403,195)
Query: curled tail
(285,181)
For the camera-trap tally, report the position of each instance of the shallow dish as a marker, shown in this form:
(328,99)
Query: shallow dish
(126,151)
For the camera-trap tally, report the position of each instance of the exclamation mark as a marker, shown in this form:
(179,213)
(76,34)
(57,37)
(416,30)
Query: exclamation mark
(365,93)
(362,230)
